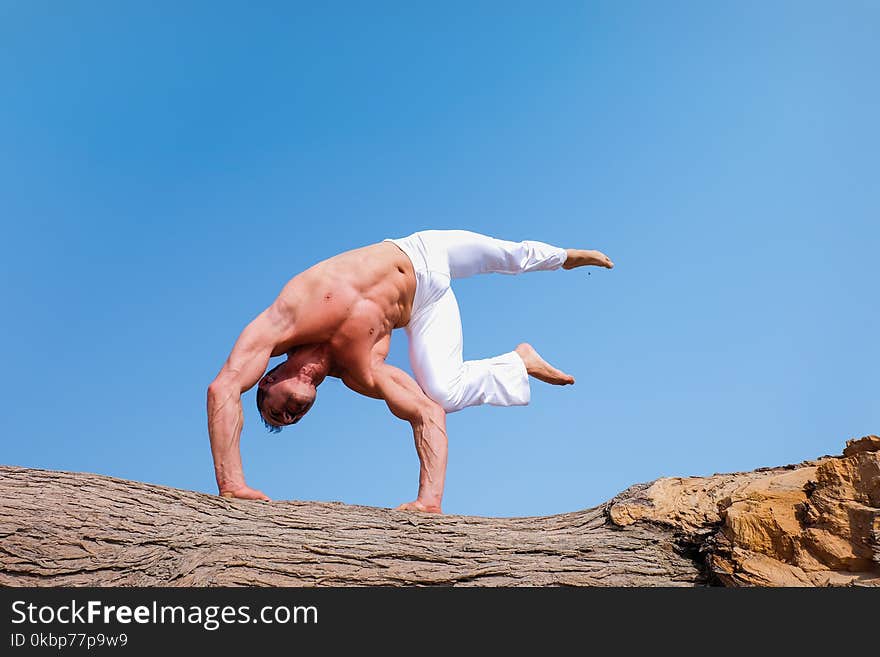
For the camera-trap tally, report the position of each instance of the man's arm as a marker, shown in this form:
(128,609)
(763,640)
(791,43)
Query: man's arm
(428,420)
(244,367)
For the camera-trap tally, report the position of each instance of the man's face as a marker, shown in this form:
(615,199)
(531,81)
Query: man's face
(286,399)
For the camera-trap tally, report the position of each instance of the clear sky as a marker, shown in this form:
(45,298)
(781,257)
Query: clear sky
(166,167)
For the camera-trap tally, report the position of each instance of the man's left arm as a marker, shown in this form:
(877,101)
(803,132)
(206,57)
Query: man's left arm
(427,418)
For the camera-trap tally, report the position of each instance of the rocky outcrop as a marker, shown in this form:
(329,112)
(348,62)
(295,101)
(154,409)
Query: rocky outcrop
(811,524)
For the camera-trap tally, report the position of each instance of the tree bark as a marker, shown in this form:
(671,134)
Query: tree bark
(813,523)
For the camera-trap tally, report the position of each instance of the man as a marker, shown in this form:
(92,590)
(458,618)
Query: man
(335,319)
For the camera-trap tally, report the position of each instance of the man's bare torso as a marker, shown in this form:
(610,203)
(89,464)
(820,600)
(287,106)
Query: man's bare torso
(350,302)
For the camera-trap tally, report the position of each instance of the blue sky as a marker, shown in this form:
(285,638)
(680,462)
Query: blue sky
(166,167)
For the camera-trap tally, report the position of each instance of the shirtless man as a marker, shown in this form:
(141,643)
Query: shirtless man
(335,319)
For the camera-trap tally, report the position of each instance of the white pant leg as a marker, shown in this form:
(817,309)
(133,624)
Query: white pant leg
(470,253)
(435,330)
(435,353)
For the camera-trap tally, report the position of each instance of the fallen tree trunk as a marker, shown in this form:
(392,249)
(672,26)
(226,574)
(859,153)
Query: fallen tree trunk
(815,523)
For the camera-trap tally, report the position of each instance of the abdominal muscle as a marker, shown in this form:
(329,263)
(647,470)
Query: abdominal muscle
(351,300)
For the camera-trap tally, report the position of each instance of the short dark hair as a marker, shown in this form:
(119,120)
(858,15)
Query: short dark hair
(261,396)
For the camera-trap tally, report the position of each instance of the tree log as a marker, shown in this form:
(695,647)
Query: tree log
(814,523)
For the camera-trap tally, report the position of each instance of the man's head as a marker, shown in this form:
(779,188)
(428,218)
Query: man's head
(287,391)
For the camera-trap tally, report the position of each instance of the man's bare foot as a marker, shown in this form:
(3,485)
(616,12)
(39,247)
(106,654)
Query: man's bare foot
(582,257)
(540,368)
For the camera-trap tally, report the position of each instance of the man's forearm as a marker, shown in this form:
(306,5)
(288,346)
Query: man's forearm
(432,446)
(225,421)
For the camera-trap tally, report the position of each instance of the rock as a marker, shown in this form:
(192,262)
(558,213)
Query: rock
(813,524)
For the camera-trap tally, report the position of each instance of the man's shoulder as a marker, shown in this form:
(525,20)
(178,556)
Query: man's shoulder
(363,383)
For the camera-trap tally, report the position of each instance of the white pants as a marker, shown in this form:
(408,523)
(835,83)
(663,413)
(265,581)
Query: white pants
(434,329)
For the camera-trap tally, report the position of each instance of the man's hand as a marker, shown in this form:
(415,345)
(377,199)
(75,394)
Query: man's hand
(244,493)
(420,507)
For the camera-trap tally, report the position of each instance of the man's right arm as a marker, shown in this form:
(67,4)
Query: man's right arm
(246,364)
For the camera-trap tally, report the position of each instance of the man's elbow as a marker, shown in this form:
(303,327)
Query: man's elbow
(429,412)
(221,387)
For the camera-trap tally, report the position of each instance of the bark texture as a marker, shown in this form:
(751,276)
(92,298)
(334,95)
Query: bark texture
(815,523)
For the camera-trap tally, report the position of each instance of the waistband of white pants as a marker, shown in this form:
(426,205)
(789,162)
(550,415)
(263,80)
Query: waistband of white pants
(412,251)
